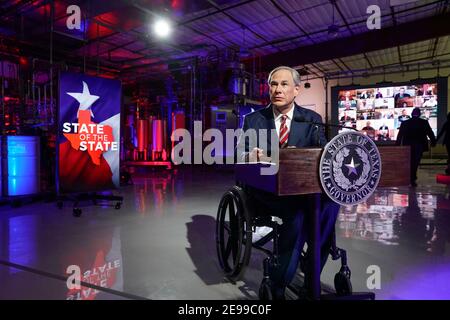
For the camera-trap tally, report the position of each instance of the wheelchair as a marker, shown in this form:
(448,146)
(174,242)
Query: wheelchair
(236,221)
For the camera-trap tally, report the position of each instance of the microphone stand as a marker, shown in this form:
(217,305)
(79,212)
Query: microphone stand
(299,119)
(325,125)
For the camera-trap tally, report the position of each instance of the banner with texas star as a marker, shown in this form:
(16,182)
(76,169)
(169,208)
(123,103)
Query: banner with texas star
(88,133)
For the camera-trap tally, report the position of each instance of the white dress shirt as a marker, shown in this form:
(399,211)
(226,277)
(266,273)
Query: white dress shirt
(277,116)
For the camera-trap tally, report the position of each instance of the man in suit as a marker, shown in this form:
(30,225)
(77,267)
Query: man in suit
(401,95)
(383,133)
(379,94)
(368,127)
(346,97)
(346,117)
(365,95)
(281,116)
(413,133)
(403,117)
(369,130)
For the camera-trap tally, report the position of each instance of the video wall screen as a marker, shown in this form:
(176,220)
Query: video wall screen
(379,111)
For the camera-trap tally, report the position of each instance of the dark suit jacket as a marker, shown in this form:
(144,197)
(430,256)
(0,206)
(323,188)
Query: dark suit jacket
(414,132)
(300,134)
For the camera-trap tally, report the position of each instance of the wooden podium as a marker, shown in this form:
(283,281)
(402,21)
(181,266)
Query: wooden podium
(298,174)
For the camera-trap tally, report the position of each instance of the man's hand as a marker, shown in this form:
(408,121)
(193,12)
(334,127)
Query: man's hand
(257,155)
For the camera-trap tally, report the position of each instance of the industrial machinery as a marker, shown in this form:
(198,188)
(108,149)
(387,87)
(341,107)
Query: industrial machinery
(146,135)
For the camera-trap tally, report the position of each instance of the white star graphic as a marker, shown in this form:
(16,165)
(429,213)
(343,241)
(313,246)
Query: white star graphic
(352,167)
(111,156)
(85,98)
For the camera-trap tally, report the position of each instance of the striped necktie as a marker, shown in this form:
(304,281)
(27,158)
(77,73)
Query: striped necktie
(284,132)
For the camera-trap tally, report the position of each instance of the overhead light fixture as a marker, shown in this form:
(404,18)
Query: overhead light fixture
(162,28)
(333,29)
(307,85)
(243,51)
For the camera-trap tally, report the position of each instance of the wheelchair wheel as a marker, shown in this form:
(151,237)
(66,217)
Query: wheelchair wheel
(342,284)
(233,233)
(265,291)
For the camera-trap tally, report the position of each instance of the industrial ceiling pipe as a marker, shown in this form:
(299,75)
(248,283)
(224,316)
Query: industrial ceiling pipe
(381,73)
(362,73)
(52,16)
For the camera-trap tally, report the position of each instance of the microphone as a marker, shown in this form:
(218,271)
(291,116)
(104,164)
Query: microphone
(302,119)
(317,124)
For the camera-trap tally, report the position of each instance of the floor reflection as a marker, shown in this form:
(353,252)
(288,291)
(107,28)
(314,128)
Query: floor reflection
(160,244)
(153,190)
(99,265)
(400,216)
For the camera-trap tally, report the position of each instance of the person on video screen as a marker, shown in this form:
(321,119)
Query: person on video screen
(378,94)
(347,96)
(346,117)
(383,133)
(365,95)
(430,91)
(401,94)
(404,116)
(432,102)
(368,127)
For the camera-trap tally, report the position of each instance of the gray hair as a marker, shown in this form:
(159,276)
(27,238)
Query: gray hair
(295,74)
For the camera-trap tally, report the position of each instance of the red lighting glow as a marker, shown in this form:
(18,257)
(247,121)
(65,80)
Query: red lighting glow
(23,61)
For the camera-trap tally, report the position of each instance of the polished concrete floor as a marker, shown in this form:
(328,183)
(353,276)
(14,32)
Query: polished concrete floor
(160,244)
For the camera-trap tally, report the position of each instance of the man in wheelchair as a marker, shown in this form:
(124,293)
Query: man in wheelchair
(282,114)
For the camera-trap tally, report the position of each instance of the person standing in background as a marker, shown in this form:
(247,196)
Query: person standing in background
(414,133)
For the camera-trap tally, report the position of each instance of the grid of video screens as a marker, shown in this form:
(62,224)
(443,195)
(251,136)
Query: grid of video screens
(379,112)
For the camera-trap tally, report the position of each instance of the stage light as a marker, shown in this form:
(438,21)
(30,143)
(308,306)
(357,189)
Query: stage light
(162,28)
(333,31)
(307,85)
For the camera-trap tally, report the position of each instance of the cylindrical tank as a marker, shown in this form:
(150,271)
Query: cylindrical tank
(142,134)
(150,131)
(22,174)
(178,120)
(164,154)
(158,136)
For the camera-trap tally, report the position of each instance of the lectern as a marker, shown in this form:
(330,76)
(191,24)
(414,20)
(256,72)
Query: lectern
(298,174)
